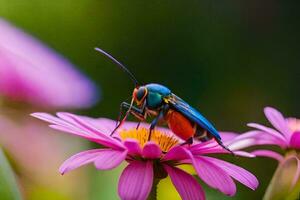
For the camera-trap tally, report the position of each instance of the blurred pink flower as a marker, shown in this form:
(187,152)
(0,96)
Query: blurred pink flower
(149,160)
(286,135)
(31,72)
(28,142)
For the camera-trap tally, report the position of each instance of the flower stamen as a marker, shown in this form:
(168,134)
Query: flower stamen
(163,140)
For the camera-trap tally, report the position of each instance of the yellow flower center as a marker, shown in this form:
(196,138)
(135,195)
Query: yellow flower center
(163,140)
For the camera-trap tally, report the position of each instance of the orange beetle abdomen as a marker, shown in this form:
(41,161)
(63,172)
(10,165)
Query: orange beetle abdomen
(180,125)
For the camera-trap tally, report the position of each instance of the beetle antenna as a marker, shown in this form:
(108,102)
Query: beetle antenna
(136,83)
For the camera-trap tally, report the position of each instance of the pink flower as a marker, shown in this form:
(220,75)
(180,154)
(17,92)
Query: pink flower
(149,160)
(31,72)
(285,135)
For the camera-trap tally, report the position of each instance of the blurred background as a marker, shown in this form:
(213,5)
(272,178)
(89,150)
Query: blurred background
(229,59)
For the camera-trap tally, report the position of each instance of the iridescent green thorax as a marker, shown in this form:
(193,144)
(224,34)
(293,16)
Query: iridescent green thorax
(154,100)
(156,93)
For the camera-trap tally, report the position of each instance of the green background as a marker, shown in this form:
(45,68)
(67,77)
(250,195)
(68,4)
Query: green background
(229,59)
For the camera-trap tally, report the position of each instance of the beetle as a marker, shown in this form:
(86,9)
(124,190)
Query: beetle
(157,100)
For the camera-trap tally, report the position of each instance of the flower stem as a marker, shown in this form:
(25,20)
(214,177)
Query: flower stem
(153,193)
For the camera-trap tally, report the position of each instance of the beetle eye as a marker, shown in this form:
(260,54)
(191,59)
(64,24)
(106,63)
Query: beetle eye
(140,93)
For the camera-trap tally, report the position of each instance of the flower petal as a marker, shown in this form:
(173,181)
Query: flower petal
(133,147)
(65,124)
(203,146)
(32,72)
(80,122)
(77,126)
(268,130)
(278,121)
(109,159)
(214,176)
(215,148)
(268,153)
(295,140)
(136,181)
(86,157)
(176,153)
(293,124)
(185,184)
(236,172)
(228,136)
(243,143)
(49,118)
(151,151)
(284,179)
(244,154)
(253,138)
(104,124)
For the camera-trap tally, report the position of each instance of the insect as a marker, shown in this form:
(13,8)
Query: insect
(157,100)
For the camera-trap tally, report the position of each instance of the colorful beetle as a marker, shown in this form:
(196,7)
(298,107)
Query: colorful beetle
(157,100)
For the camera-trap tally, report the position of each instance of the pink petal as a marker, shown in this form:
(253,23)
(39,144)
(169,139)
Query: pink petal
(130,125)
(103,124)
(151,151)
(269,131)
(64,124)
(86,157)
(295,140)
(215,148)
(242,143)
(293,124)
(82,123)
(91,124)
(109,159)
(185,184)
(77,126)
(136,181)
(228,136)
(268,153)
(200,147)
(278,121)
(236,172)
(79,133)
(50,118)
(253,138)
(133,147)
(244,154)
(176,153)
(214,176)
(31,72)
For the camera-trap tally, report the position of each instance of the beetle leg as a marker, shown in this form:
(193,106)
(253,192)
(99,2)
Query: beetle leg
(118,122)
(144,115)
(137,112)
(120,113)
(138,125)
(188,141)
(157,119)
(153,124)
